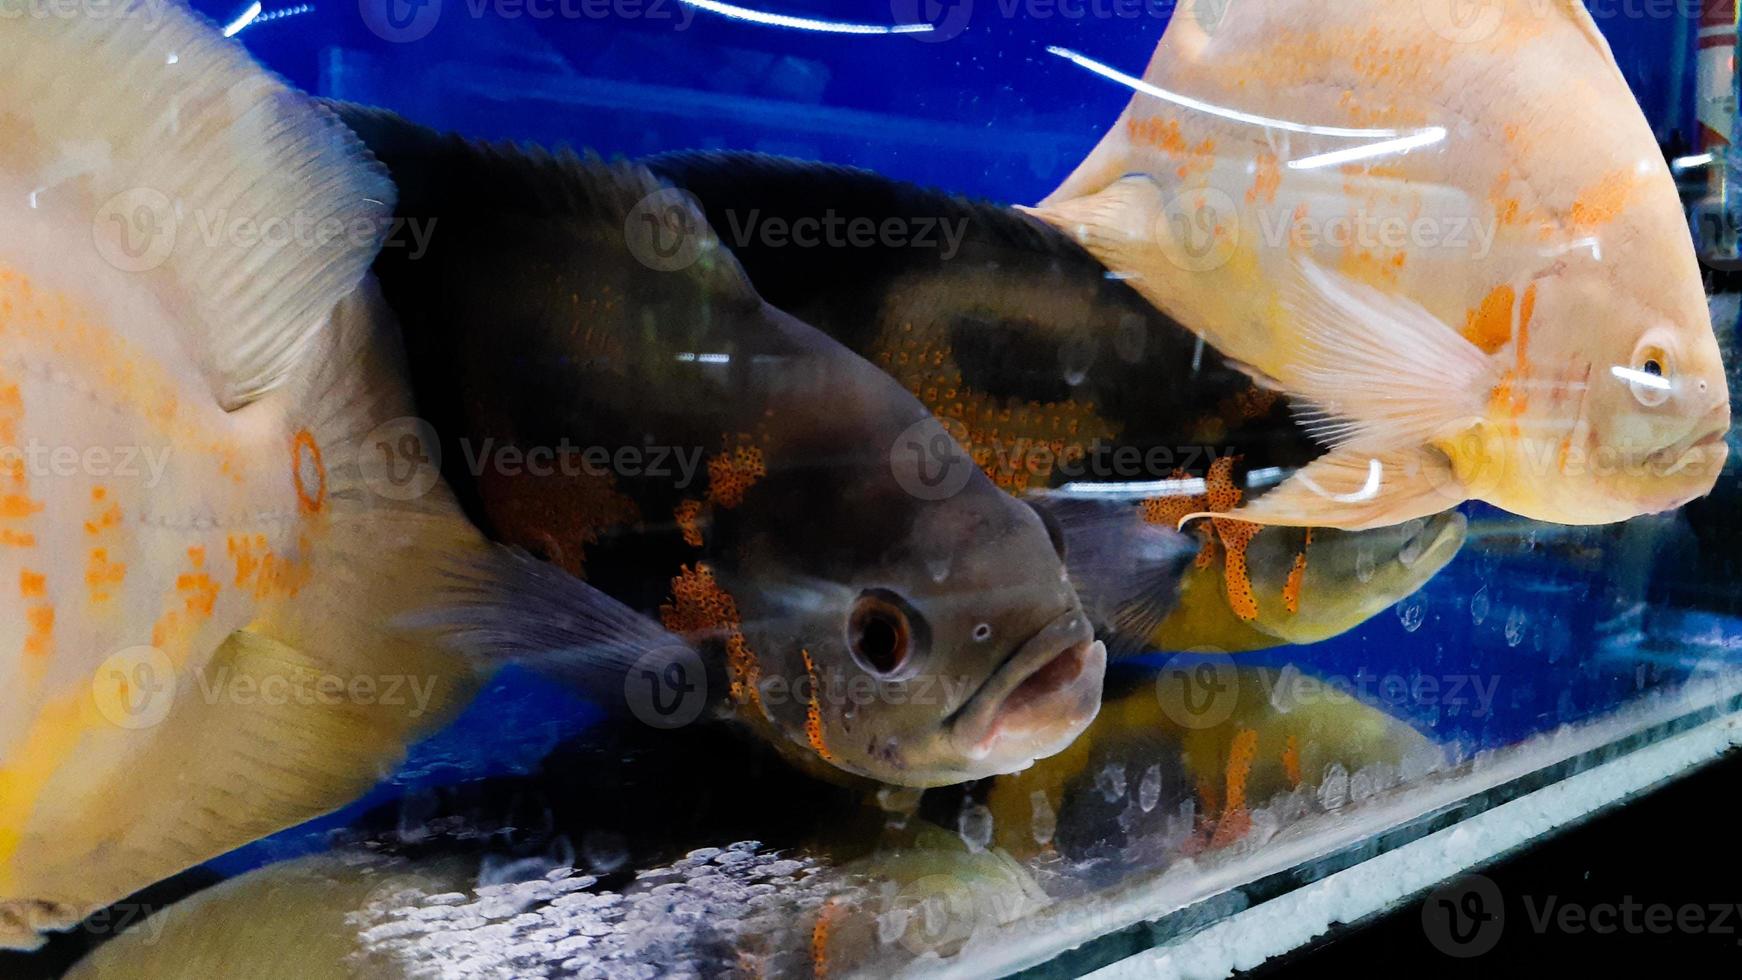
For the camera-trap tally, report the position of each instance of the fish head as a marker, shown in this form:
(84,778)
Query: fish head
(931,641)
(1337,580)
(1648,433)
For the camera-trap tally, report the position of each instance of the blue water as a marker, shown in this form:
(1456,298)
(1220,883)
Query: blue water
(1554,638)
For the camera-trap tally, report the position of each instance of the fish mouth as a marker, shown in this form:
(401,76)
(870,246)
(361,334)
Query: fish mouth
(1039,700)
(1702,453)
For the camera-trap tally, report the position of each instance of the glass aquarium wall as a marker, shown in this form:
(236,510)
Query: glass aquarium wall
(1110,467)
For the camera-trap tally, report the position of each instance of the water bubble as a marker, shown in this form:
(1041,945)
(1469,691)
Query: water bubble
(1515,626)
(1411,612)
(1480,605)
(1149,790)
(1043,823)
(604,850)
(1111,782)
(1334,788)
(975,826)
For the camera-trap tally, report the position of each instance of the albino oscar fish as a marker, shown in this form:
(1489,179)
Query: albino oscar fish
(199,565)
(1447,233)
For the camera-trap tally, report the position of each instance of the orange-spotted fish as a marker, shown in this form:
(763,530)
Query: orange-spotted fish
(196,574)
(1453,238)
(1068,388)
(855,591)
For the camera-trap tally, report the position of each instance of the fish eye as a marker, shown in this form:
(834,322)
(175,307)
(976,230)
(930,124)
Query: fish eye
(881,632)
(1651,375)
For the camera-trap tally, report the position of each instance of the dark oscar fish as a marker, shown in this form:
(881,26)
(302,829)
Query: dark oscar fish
(615,401)
(1059,377)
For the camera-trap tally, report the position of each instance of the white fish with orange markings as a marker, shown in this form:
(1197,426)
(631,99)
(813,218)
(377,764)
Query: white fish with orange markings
(195,576)
(1452,239)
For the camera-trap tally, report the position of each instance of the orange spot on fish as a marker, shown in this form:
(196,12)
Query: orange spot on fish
(689,521)
(813,719)
(32,585)
(1296,576)
(1267,180)
(1236,819)
(200,593)
(1602,202)
(700,607)
(39,641)
(1489,325)
(731,475)
(310,472)
(103,576)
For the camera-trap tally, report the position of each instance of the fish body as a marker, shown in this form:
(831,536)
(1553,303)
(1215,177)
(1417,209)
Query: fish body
(1457,244)
(1069,388)
(735,477)
(195,577)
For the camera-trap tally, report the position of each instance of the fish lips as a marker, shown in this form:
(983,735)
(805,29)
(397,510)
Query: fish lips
(1699,456)
(1038,701)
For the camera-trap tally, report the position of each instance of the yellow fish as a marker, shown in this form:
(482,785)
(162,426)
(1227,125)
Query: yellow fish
(1448,233)
(199,561)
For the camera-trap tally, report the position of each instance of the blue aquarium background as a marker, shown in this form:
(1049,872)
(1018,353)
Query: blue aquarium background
(1565,624)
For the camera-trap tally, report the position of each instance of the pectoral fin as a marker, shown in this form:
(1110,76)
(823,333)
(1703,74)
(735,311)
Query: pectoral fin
(1374,371)
(1126,570)
(512,608)
(1355,491)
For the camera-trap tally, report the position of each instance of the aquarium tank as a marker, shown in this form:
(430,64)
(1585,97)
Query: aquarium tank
(802,488)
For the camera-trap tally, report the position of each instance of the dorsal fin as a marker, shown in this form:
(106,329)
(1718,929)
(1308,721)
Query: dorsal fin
(857,192)
(273,210)
(446,174)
